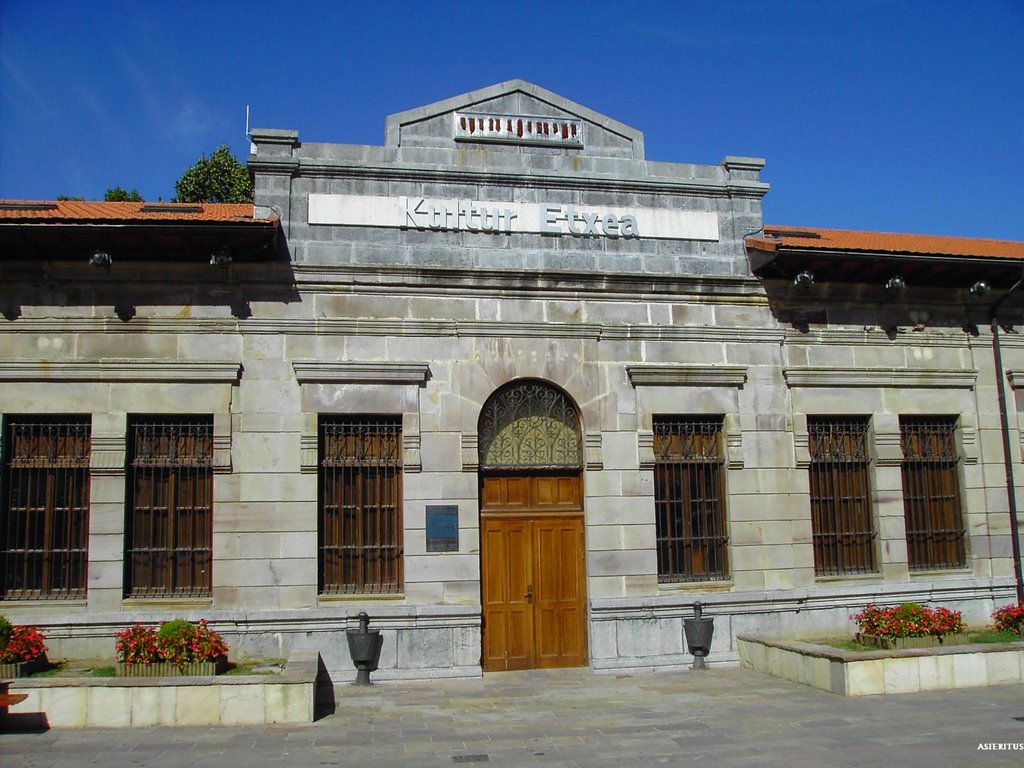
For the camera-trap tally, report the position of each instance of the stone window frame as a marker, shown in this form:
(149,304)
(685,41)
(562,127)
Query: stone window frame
(353,372)
(109,449)
(884,435)
(684,375)
(885,445)
(1015,377)
(374,373)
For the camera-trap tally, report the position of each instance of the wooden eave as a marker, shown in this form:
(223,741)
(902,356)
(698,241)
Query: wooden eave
(169,241)
(876,267)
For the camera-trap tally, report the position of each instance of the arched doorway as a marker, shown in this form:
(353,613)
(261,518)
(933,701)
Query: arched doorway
(531,529)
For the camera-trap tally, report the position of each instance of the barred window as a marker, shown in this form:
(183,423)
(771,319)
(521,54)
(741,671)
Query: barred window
(169,551)
(360,527)
(840,496)
(45,525)
(688,499)
(931,493)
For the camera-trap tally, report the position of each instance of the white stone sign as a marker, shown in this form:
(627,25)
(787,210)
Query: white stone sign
(453,215)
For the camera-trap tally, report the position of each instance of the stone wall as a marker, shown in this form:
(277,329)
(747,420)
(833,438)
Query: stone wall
(288,697)
(872,674)
(426,325)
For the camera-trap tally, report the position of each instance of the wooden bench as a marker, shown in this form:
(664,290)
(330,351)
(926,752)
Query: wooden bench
(10,699)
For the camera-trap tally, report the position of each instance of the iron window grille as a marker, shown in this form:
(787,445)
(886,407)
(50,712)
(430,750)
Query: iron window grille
(360,526)
(45,526)
(170,507)
(841,515)
(931,493)
(689,500)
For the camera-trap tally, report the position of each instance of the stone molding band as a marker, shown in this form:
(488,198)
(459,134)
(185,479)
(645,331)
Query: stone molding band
(313,372)
(687,375)
(937,378)
(228,372)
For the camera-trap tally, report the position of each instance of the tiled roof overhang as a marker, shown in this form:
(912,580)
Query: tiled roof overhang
(72,231)
(849,256)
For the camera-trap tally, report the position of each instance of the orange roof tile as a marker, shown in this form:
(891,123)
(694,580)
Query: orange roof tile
(815,239)
(83,212)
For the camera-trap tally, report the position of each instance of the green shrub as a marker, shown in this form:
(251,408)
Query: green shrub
(182,642)
(5,631)
(174,639)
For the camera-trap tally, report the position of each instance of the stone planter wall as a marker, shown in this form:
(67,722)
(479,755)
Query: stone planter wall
(880,672)
(136,702)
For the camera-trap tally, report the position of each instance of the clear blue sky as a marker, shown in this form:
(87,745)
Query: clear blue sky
(890,115)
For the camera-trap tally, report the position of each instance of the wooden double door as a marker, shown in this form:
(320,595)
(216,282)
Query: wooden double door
(533,572)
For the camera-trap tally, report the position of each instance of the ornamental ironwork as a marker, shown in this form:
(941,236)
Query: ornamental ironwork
(519,129)
(529,426)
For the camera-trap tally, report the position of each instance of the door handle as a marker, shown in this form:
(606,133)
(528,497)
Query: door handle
(529,594)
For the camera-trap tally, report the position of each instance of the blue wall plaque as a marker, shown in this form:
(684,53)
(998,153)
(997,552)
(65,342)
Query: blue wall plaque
(442,528)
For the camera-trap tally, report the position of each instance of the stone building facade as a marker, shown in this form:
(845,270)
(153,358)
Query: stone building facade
(514,390)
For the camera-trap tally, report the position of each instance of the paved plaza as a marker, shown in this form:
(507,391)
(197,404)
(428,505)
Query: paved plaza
(721,717)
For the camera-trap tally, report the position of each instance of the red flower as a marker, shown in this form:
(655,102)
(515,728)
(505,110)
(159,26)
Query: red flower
(1009,618)
(24,644)
(137,645)
(908,620)
(177,642)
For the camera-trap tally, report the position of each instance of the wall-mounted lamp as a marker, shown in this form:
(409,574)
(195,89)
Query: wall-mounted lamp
(124,311)
(804,279)
(101,259)
(895,283)
(980,288)
(221,258)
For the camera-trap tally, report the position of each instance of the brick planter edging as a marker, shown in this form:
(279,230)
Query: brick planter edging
(879,672)
(22,668)
(903,643)
(166,669)
(137,702)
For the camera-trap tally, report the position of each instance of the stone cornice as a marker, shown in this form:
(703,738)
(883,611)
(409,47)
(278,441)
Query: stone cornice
(401,327)
(316,278)
(314,372)
(529,179)
(937,378)
(687,375)
(953,338)
(1016,378)
(282,165)
(484,328)
(286,137)
(227,372)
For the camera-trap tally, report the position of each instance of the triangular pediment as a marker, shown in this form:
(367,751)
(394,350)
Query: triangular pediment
(514,114)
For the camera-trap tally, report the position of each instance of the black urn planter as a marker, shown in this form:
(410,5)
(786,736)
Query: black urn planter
(364,646)
(699,631)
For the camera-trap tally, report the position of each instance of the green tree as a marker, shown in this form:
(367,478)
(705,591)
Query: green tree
(122,195)
(69,199)
(217,179)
